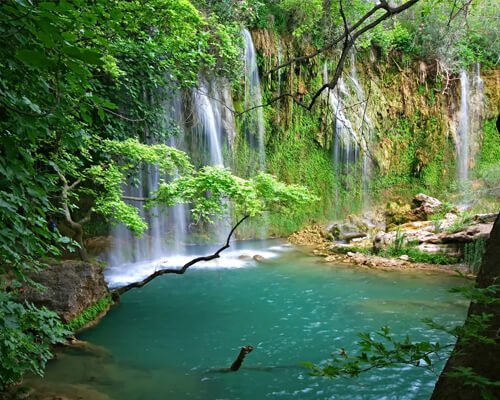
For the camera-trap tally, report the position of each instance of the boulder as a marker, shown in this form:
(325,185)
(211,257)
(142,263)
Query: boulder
(397,214)
(258,258)
(452,250)
(424,206)
(469,234)
(485,218)
(70,287)
(347,230)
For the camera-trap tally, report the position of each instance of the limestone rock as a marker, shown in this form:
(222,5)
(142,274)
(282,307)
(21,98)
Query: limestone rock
(424,206)
(397,214)
(469,234)
(485,218)
(71,287)
(347,230)
(258,258)
(453,250)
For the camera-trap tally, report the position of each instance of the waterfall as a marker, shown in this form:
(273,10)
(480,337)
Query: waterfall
(178,214)
(212,109)
(352,135)
(365,131)
(345,142)
(463,130)
(254,126)
(167,227)
(208,113)
(468,138)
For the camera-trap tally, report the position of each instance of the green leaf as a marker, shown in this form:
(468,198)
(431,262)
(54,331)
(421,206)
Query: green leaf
(34,58)
(87,56)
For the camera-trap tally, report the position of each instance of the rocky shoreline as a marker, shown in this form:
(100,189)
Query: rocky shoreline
(321,248)
(427,229)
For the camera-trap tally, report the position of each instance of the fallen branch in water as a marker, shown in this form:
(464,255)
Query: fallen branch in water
(236,365)
(180,271)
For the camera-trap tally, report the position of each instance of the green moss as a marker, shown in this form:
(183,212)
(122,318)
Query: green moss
(490,148)
(89,314)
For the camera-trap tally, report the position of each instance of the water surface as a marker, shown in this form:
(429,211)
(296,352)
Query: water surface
(163,340)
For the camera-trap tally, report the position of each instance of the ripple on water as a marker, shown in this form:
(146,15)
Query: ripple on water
(167,337)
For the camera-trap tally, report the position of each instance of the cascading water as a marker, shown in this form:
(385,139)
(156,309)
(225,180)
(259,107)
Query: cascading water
(254,126)
(209,126)
(463,130)
(365,131)
(215,123)
(345,144)
(163,223)
(469,123)
(352,133)
(178,214)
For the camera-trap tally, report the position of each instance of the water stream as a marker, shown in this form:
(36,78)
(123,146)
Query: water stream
(164,340)
(463,129)
(469,122)
(254,126)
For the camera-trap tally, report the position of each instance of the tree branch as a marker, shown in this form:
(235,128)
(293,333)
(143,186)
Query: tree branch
(180,271)
(133,198)
(328,46)
(123,116)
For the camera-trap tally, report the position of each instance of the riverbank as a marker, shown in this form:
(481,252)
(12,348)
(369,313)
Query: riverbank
(426,234)
(311,241)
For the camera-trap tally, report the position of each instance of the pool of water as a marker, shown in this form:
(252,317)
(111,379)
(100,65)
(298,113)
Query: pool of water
(164,340)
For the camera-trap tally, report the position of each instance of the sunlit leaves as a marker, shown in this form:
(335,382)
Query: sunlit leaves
(211,188)
(380,350)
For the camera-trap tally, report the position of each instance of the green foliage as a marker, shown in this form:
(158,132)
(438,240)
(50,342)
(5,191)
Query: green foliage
(479,295)
(381,350)
(26,333)
(460,223)
(402,247)
(471,378)
(303,17)
(490,147)
(89,314)
(77,78)
(384,350)
(473,254)
(419,256)
(418,154)
(211,188)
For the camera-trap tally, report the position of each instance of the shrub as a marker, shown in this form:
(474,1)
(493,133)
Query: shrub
(26,333)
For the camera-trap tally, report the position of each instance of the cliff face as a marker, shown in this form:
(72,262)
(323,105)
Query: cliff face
(392,127)
(70,288)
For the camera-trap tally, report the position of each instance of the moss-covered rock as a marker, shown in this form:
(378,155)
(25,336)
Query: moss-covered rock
(71,287)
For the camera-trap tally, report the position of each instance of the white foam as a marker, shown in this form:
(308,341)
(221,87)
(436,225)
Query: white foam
(134,272)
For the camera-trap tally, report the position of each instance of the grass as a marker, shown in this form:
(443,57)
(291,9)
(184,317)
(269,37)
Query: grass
(461,223)
(89,314)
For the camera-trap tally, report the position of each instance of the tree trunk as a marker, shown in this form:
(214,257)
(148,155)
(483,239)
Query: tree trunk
(482,358)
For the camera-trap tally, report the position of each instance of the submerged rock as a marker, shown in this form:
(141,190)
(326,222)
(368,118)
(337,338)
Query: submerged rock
(70,287)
